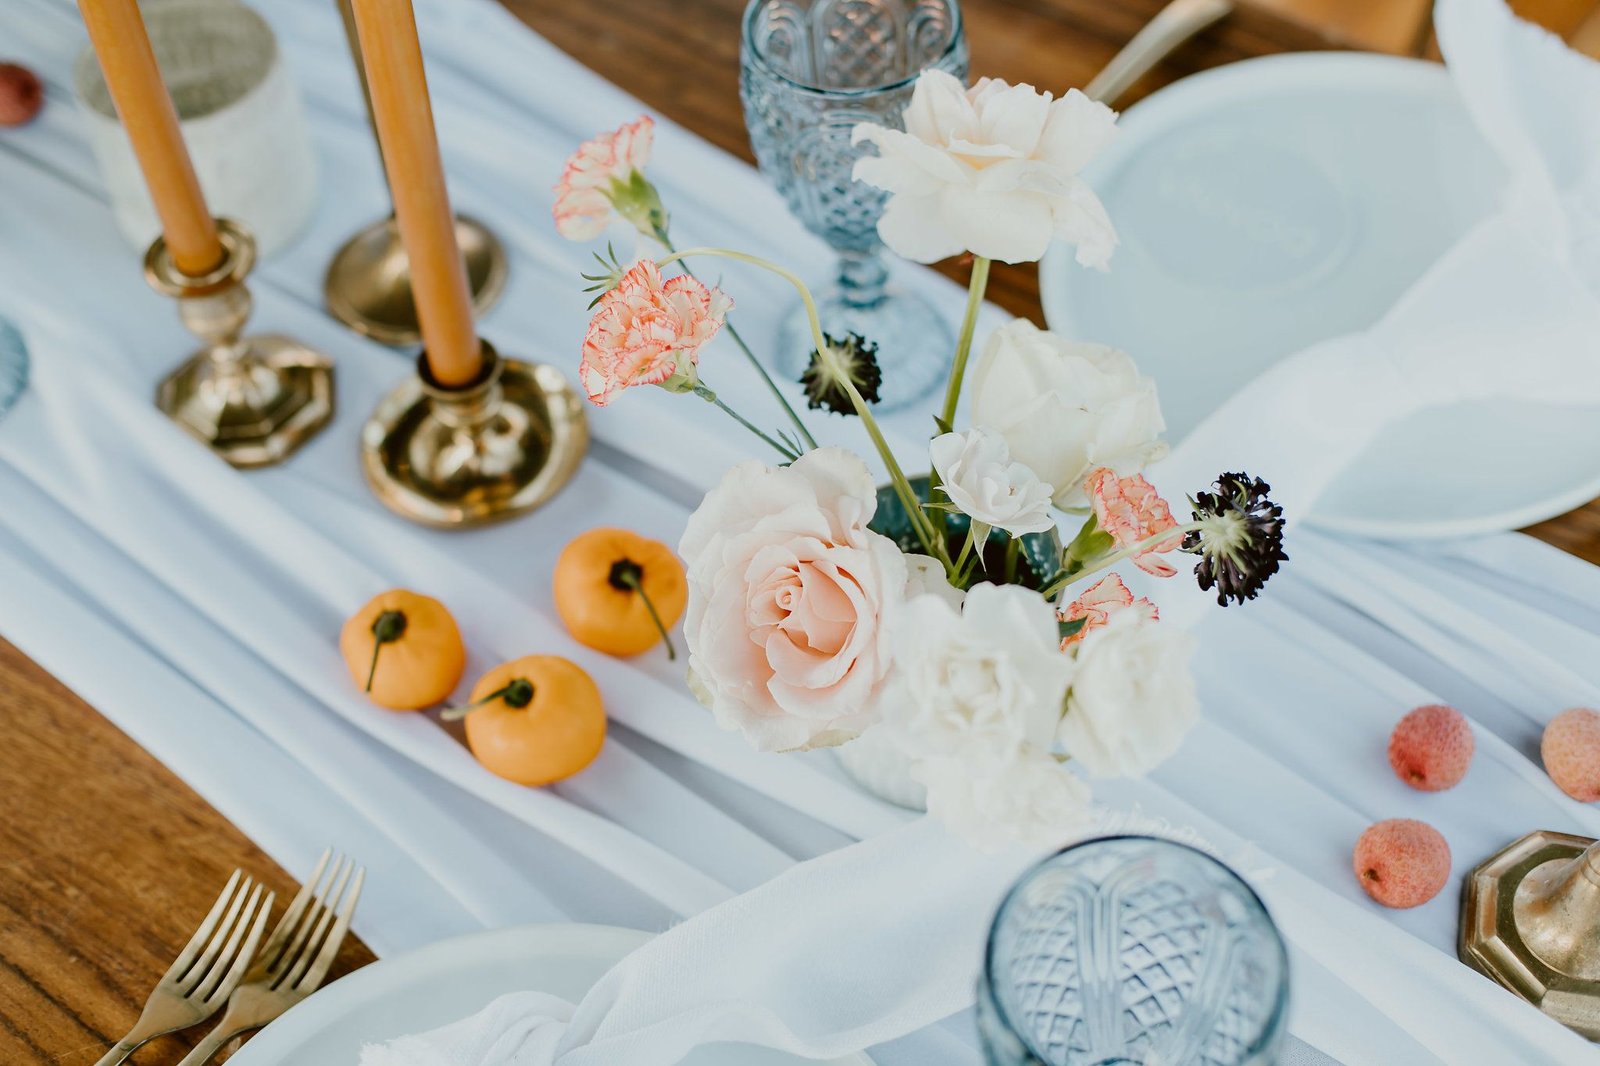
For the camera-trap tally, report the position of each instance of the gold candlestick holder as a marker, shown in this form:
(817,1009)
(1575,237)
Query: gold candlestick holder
(1530,919)
(484,452)
(252,400)
(368,286)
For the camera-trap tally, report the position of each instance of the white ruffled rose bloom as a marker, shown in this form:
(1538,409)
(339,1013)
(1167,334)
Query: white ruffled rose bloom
(976,703)
(987,485)
(1065,408)
(1133,697)
(792,601)
(991,170)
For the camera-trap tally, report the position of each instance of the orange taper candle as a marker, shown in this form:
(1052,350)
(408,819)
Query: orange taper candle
(129,63)
(392,56)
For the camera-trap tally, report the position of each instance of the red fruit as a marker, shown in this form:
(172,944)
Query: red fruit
(1571,753)
(21,95)
(1431,748)
(1402,862)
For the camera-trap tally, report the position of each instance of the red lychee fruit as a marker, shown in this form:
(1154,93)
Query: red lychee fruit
(1402,862)
(21,95)
(1431,748)
(1571,753)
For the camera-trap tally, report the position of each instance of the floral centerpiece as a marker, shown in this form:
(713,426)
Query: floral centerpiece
(942,616)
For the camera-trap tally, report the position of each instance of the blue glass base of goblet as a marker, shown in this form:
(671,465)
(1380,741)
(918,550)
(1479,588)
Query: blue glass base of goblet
(915,345)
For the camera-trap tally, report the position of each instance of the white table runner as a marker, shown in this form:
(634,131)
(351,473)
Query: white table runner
(197,607)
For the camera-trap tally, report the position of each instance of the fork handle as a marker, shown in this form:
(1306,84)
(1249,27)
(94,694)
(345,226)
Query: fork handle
(120,1051)
(209,1045)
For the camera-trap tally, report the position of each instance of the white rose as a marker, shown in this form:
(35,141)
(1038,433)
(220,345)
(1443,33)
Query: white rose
(926,575)
(984,684)
(1033,801)
(991,170)
(791,601)
(981,478)
(1133,697)
(1066,408)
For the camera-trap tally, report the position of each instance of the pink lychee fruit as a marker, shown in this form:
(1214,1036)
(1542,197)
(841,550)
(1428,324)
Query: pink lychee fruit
(1402,862)
(1571,753)
(21,94)
(1431,748)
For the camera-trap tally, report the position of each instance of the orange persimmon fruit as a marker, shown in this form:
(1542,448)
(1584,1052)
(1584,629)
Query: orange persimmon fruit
(618,592)
(534,720)
(404,650)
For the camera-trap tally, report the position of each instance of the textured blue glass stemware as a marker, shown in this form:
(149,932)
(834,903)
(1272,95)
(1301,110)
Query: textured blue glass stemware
(1133,951)
(13,366)
(810,71)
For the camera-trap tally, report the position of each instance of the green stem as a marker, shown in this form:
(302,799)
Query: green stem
(710,397)
(1013,553)
(772,386)
(932,543)
(1106,562)
(386,629)
(627,575)
(969,323)
(518,693)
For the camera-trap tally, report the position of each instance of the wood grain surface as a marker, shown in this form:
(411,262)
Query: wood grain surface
(107,860)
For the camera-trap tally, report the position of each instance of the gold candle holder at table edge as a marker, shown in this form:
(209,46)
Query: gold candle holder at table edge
(454,458)
(252,400)
(1530,921)
(368,284)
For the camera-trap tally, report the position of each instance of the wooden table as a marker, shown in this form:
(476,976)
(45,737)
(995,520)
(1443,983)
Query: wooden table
(107,860)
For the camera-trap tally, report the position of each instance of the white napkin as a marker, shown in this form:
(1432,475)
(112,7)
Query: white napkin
(1510,311)
(842,952)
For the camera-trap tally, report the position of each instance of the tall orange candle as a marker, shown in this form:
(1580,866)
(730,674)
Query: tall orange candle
(392,56)
(129,63)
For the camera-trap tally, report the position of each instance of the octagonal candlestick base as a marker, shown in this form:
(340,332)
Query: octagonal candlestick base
(368,286)
(1530,919)
(252,400)
(487,451)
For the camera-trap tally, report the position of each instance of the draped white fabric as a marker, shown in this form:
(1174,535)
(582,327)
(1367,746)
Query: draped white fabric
(197,607)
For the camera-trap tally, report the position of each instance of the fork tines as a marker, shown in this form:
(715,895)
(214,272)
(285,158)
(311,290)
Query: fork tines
(303,945)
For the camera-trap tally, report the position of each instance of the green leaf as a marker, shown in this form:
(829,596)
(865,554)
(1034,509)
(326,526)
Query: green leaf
(1072,628)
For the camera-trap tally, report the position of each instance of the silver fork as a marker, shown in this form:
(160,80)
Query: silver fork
(296,957)
(206,971)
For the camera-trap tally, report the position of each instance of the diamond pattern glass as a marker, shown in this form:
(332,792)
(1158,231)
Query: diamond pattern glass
(13,365)
(811,70)
(1133,951)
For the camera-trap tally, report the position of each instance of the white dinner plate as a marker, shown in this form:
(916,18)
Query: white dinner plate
(1277,202)
(447,981)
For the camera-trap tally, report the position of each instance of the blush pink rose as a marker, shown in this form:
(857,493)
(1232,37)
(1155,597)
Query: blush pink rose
(792,601)
(1098,604)
(647,329)
(1130,510)
(583,195)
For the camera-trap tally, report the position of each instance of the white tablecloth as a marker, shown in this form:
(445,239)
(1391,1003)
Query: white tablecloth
(197,607)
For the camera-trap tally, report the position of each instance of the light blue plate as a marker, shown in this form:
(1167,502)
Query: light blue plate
(1270,204)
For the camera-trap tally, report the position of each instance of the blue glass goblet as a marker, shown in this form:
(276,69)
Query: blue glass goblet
(13,366)
(1133,951)
(810,71)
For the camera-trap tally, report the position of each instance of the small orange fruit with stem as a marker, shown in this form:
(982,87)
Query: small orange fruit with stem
(534,720)
(404,650)
(619,592)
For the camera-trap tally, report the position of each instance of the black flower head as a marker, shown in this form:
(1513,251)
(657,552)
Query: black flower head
(1240,542)
(853,356)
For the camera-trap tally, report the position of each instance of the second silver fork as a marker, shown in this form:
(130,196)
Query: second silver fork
(297,957)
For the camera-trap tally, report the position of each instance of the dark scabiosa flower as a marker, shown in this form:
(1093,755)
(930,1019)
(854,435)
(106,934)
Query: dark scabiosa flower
(1240,539)
(853,356)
